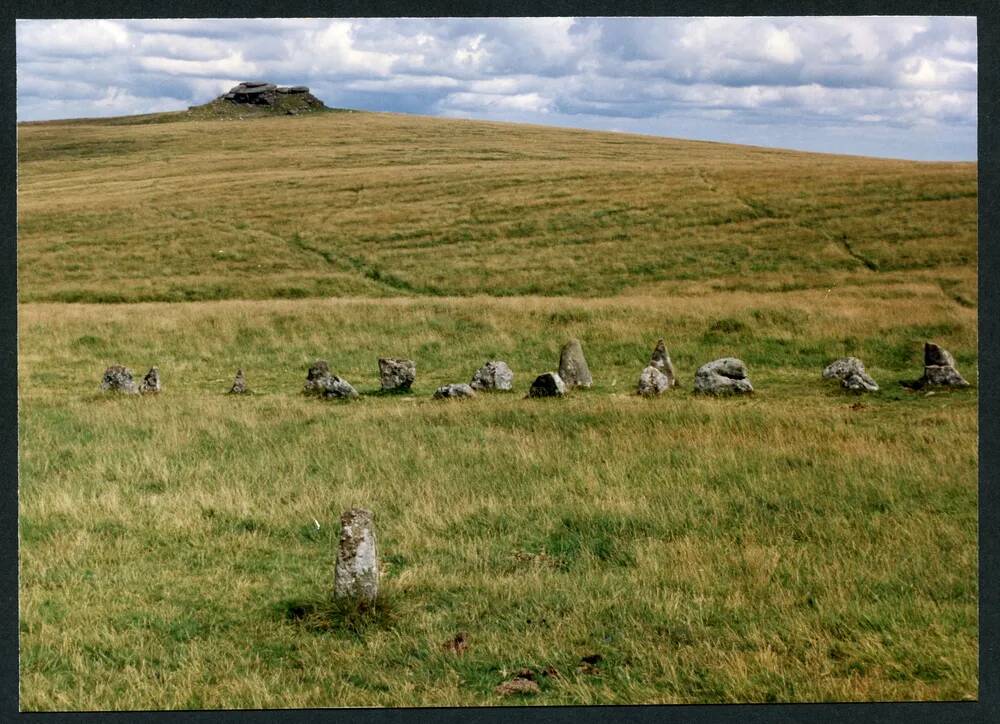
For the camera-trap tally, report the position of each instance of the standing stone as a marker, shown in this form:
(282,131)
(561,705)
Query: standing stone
(118,378)
(661,361)
(239,384)
(939,369)
(724,376)
(494,375)
(316,376)
(851,373)
(573,366)
(652,382)
(396,374)
(548,384)
(151,382)
(454,391)
(356,574)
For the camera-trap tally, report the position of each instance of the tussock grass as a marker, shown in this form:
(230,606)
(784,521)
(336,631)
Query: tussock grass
(786,547)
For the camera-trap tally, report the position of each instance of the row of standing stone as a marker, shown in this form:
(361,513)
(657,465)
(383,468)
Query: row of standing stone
(724,376)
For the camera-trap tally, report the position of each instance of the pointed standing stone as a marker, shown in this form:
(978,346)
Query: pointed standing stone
(939,368)
(573,366)
(356,576)
(661,361)
(151,382)
(239,383)
(548,384)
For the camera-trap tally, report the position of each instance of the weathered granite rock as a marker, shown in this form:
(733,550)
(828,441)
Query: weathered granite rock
(573,365)
(151,382)
(356,575)
(316,376)
(334,386)
(939,369)
(661,361)
(396,374)
(118,378)
(239,384)
(494,375)
(454,391)
(548,384)
(724,376)
(653,382)
(851,373)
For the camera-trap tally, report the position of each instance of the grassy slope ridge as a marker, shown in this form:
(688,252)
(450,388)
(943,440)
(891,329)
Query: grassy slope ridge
(799,545)
(379,205)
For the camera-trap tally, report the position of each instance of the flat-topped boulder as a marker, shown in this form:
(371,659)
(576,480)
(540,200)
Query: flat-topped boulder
(263,96)
(454,391)
(724,376)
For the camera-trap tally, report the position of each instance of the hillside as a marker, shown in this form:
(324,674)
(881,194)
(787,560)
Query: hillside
(366,204)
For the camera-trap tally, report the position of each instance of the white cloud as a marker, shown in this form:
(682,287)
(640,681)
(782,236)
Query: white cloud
(759,75)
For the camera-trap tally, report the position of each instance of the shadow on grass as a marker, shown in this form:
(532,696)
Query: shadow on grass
(322,614)
(387,393)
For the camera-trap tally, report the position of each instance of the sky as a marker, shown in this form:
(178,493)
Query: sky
(901,87)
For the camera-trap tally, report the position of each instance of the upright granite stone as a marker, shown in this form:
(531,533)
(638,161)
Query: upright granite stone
(851,373)
(724,376)
(661,361)
(396,374)
(454,391)
(652,382)
(151,382)
(118,378)
(548,384)
(239,384)
(494,375)
(939,369)
(356,576)
(573,365)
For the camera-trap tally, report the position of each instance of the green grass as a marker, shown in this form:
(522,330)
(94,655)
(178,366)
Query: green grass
(801,544)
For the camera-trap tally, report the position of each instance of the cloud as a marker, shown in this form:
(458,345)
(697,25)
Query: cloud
(763,76)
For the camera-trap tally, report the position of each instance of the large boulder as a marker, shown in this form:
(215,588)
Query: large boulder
(548,384)
(396,374)
(118,378)
(459,390)
(151,382)
(851,373)
(573,367)
(724,376)
(653,382)
(494,375)
(939,369)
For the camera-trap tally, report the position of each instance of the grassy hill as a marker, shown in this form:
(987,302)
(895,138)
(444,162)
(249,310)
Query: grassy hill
(799,545)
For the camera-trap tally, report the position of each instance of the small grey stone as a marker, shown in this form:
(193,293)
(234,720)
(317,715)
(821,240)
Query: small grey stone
(851,373)
(548,384)
(652,381)
(724,376)
(118,378)
(454,391)
(151,382)
(319,370)
(334,386)
(356,575)
(239,384)
(494,375)
(396,374)
(573,367)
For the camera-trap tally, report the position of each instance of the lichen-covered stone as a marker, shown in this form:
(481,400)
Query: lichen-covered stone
(459,390)
(652,382)
(151,382)
(939,369)
(724,376)
(851,373)
(494,375)
(118,378)
(396,374)
(573,367)
(356,575)
(660,359)
(316,376)
(548,384)
(239,384)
